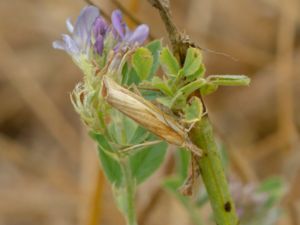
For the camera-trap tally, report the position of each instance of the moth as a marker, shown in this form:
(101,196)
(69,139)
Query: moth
(147,115)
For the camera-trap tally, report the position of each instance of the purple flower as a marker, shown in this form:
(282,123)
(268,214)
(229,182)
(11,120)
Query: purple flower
(138,36)
(78,43)
(100,26)
(118,23)
(92,34)
(100,30)
(99,45)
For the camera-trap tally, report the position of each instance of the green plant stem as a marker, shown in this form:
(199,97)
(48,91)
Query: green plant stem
(129,186)
(213,175)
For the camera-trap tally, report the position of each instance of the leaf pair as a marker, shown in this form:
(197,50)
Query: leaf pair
(193,66)
(143,163)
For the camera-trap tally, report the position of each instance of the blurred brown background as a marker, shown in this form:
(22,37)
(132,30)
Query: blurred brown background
(49,172)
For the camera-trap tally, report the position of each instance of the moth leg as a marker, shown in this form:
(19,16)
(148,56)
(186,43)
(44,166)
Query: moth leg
(190,184)
(134,89)
(190,127)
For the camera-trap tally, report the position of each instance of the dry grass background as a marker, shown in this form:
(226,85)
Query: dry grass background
(49,172)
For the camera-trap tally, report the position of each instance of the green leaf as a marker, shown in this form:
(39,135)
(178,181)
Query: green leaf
(121,128)
(229,80)
(125,73)
(142,61)
(162,86)
(193,111)
(140,135)
(179,101)
(275,188)
(111,167)
(115,132)
(154,47)
(168,62)
(188,89)
(145,162)
(101,141)
(208,88)
(166,101)
(116,128)
(150,95)
(192,61)
(182,163)
(130,128)
(271,185)
(133,77)
(198,74)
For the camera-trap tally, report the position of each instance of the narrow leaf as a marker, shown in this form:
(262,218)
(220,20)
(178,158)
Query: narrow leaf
(229,80)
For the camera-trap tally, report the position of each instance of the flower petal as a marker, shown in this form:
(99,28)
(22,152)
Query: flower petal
(59,44)
(83,26)
(128,33)
(118,23)
(100,26)
(139,35)
(99,44)
(69,25)
(70,45)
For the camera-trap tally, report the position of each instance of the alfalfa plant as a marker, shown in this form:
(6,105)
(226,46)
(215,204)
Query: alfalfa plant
(137,98)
